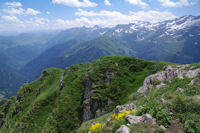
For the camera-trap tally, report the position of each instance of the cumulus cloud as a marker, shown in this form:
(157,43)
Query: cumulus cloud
(31,11)
(11,19)
(107,2)
(137,2)
(15,8)
(75,3)
(21,11)
(16,18)
(14,11)
(111,18)
(180,3)
(13,4)
(37,21)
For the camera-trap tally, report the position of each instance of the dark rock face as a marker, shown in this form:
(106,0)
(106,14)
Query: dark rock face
(4,115)
(38,91)
(19,98)
(6,109)
(16,111)
(109,76)
(87,112)
(62,81)
(91,108)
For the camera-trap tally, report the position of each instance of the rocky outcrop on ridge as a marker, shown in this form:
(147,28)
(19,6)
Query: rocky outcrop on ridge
(170,72)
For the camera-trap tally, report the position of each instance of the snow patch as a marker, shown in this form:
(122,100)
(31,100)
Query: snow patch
(102,33)
(118,30)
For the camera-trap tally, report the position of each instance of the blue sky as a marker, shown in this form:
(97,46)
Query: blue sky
(29,15)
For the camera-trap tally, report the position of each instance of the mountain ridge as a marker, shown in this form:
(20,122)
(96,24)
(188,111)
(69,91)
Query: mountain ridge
(145,40)
(62,100)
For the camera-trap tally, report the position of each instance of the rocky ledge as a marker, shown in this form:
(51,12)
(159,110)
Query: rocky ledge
(157,80)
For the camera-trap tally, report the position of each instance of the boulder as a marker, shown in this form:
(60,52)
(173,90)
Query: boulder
(162,127)
(160,86)
(108,119)
(121,108)
(142,89)
(123,129)
(149,119)
(99,112)
(194,81)
(171,72)
(171,114)
(162,100)
(193,73)
(168,74)
(180,90)
(134,119)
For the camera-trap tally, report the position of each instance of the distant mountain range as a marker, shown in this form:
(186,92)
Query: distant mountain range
(176,41)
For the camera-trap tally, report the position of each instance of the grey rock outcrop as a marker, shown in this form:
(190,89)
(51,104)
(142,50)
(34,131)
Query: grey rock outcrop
(121,108)
(193,73)
(99,112)
(87,111)
(109,76)
(146,118)
(162,127)
(62,81)
(194,81)
(180,90)
(123,129)
(149,119)
(134,119)
(160,86)
(162,100)
(94,108)
(156,80)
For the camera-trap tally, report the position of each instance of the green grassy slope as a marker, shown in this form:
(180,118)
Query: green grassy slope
(74,52)
(177,111)
(43,106)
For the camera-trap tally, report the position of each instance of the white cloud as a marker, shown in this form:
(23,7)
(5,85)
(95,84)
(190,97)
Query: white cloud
(87,13)
(14,11)
(48,13)
(13,24)
(21,11)
(137,2)
(15,18)
(31,11)
(75,3)
(180,3)
(11,19)
(111,18)
(153,16)
(107,2)
(37,21)
(13,4)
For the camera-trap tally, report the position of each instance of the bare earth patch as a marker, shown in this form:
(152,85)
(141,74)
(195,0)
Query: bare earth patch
(175,127)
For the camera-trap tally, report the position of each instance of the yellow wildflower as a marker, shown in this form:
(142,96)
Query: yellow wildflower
(96,127)
(112,116)
(123,114)
(137,110)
